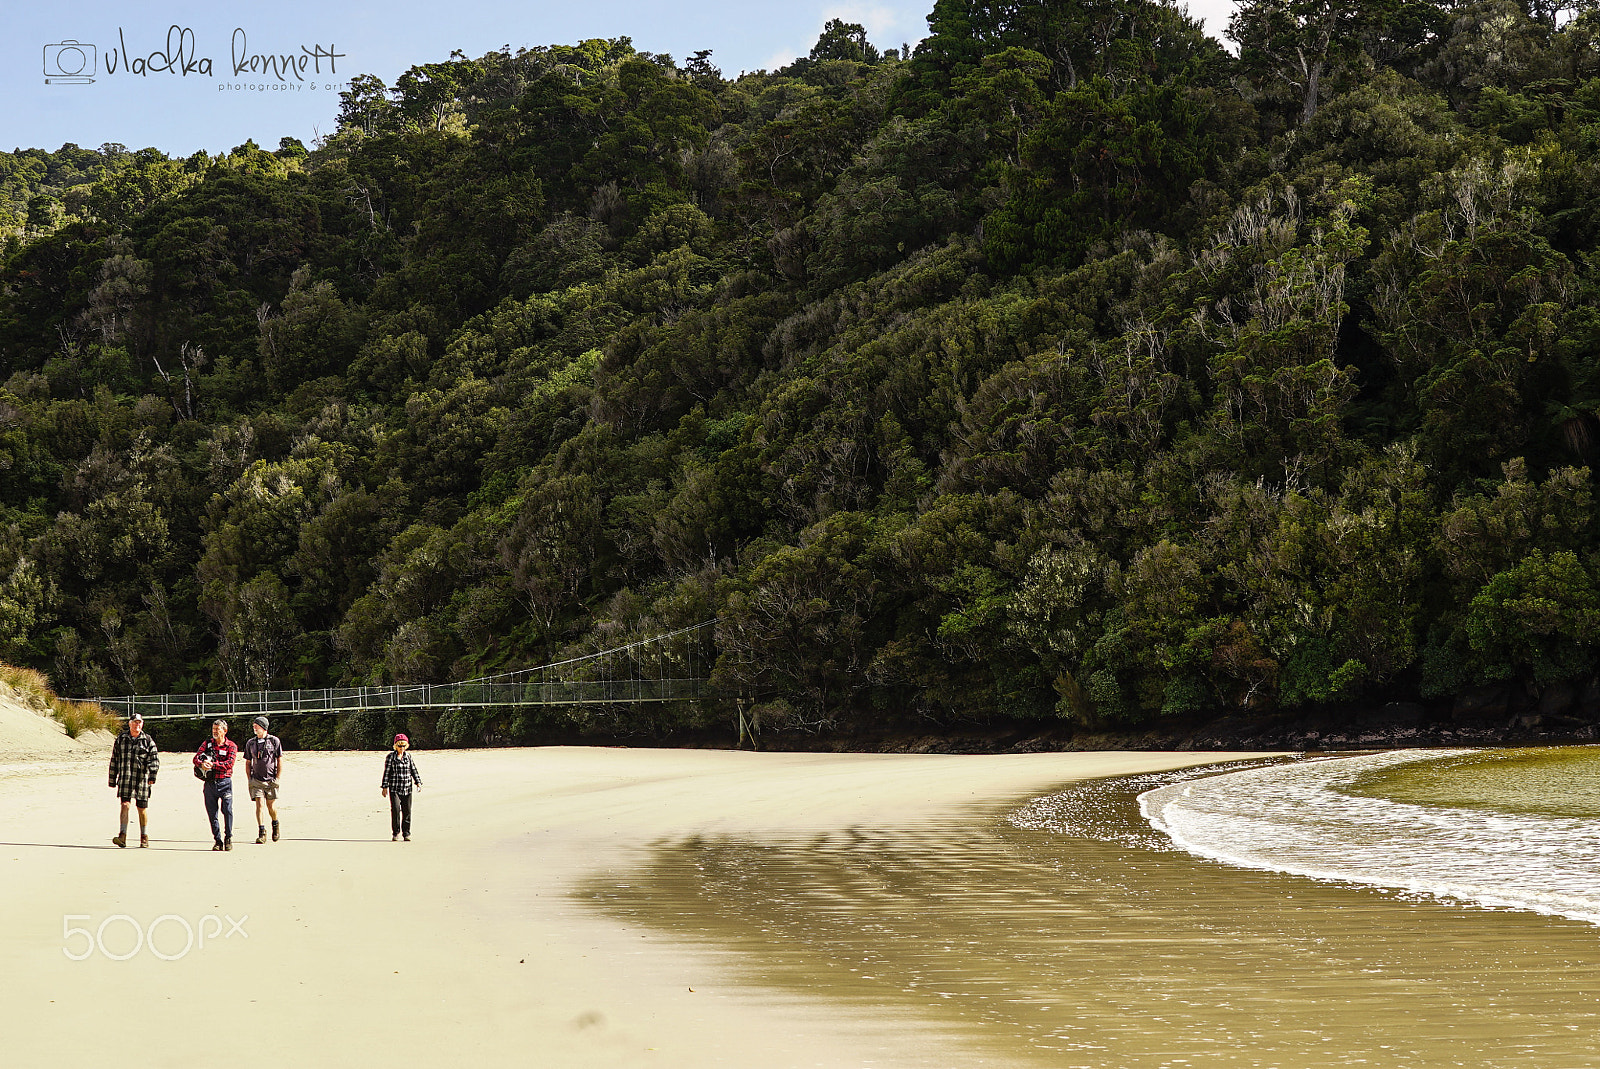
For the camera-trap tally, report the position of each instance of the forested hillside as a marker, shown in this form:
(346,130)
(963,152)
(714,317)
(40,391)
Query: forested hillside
(1073,366)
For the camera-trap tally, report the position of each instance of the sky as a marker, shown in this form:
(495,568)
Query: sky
(181,76)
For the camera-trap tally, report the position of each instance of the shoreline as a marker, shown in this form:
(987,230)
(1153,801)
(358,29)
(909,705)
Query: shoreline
(1069,933)
(472,940)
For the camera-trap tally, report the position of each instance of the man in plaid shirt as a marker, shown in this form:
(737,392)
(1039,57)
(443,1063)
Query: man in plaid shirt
(134,762)
(215,764)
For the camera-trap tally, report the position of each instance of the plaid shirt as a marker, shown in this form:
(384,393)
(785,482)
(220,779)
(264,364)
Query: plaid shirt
(134,762)
(221,754)
(398,772)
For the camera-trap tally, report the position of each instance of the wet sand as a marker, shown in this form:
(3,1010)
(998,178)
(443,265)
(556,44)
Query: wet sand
(1081,939)
(565,907)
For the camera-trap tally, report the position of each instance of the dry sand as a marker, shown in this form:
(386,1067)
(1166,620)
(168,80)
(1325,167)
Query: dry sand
(465,946)
(27,733)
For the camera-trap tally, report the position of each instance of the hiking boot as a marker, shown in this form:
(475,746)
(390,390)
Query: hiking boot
(144,840)
(227,844)
(407,838)
(274,831)
(261,838)
(394,838)
(215,847)
(120,841)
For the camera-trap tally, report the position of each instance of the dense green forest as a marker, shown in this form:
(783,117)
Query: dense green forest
(1071,366)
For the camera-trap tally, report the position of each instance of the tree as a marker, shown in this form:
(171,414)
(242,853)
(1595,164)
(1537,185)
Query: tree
(844,40)
(1296,43)
(1008,94)
(551,547)
(1119,40)
(259,633)
(795,627)
(366,106)
(1103,159)
(427,94)
(1280,396)
(312,334)
(1540,617)
(1476,310)
(705,73)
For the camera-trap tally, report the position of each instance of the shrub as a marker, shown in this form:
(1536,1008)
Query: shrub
(33,688)
(457,727)
(361,731)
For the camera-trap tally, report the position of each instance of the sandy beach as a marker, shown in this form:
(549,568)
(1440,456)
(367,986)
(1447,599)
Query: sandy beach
(468,944)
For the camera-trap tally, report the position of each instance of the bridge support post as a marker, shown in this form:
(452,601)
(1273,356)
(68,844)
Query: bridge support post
(746,728)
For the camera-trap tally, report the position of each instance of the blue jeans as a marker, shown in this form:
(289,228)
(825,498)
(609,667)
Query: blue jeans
(219,794)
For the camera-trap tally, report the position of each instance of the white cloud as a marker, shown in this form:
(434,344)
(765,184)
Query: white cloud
(886,27)
(783,57)
(877,19)
(1213,14)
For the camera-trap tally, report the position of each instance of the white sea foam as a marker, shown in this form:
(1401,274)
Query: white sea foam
(1293,818)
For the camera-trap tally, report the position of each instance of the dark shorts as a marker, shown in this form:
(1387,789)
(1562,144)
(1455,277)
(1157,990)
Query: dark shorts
(127,795)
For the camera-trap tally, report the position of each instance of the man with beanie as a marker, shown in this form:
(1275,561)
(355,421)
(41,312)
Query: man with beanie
(263,765)
(134,761)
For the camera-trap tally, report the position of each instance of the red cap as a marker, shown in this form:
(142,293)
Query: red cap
(401,738)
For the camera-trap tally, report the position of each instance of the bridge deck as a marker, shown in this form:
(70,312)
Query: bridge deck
(335,700)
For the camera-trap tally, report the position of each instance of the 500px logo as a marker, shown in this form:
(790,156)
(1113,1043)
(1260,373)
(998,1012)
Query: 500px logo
(120,937)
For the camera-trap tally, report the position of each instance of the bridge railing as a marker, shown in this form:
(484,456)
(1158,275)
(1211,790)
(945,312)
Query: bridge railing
(334,700)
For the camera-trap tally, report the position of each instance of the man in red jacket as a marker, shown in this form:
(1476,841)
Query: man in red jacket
(214,764)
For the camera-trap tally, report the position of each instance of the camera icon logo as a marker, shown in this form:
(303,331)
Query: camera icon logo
(70,63)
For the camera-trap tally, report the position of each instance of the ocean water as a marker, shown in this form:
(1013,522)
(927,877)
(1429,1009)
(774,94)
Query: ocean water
(1068,932)
(1498,829)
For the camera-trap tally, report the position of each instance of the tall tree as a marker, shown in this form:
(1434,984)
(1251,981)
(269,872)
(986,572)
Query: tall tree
(1295,43)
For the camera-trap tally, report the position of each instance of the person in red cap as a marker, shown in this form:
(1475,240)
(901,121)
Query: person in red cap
(399,774)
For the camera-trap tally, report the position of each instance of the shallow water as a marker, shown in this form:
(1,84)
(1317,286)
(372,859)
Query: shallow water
(1512,829)
(1556,781)
(1066,932)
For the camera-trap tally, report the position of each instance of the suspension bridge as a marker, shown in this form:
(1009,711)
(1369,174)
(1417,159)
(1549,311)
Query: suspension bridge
(663,668)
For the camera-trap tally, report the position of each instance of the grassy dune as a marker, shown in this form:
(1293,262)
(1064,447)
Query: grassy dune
(32,688)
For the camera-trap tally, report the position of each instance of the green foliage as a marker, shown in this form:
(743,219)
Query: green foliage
(1102,159)
(457,727)
(1540,617)
(1068,367)
(360,731)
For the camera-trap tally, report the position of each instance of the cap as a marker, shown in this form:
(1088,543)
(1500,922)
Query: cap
(136,716)
(260,721)
(401,738)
